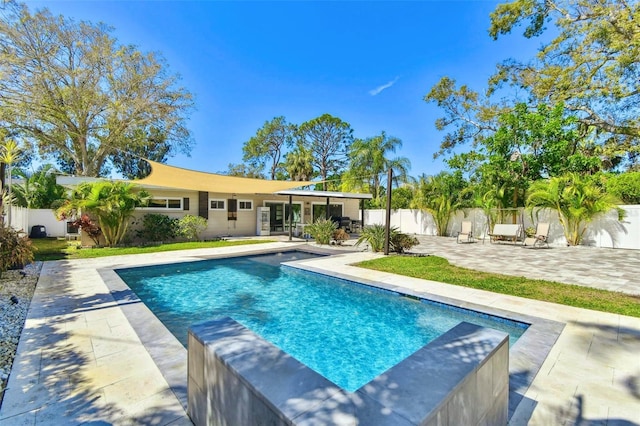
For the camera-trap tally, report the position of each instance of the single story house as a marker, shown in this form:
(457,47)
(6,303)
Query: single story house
(237,206)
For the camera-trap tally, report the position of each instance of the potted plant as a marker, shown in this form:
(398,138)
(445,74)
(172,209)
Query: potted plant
(339,236)
(530,232)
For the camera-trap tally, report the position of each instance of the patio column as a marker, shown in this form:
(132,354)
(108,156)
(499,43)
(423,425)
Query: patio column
(387,226)
(290,217)
(326,213)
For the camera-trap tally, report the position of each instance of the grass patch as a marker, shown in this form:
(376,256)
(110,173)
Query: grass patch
(439,269)
(54,249)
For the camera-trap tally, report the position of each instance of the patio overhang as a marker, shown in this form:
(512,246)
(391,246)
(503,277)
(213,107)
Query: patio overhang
(324,194)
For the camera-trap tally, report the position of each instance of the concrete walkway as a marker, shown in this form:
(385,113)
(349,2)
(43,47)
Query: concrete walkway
(90,355)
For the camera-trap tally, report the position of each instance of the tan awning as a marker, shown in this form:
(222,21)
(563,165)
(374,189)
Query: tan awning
(176,177)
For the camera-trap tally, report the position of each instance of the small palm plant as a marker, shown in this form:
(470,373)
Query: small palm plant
(374,236)
(322,230)
(577,199)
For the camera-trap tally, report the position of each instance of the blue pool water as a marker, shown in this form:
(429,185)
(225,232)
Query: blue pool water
(350,333)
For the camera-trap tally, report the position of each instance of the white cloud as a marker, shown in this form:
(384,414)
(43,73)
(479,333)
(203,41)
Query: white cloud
(379,89)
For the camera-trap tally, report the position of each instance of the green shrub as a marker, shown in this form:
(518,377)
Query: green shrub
(401,242)
(158,227)
(322,230)
(15,249)
(191,226)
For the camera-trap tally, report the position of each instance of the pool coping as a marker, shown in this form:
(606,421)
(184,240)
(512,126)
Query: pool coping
(526,356)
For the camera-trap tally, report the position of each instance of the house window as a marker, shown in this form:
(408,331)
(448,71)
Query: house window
(245,205)
(164,203)
(319,211)
(216,205)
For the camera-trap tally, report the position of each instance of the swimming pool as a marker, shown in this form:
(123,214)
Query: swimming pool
(348,332)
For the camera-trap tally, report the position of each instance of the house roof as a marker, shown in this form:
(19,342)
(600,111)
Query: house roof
(175,177)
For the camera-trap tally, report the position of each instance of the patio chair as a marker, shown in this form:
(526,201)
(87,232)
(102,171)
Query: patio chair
(466,233)
(540,239)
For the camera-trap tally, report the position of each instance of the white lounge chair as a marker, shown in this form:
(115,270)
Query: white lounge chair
(466,233)
(540,239)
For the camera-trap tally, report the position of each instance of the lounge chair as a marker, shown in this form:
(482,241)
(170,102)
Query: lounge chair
(466,233)
(540,238)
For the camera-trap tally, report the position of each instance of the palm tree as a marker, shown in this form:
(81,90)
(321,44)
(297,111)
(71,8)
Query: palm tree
(299,165)
(38,190)
(112,203)
(493,202)
(439,195)
(9,154)
(369,162)
(577,200)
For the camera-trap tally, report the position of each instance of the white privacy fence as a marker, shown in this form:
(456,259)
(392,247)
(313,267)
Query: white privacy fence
(607,231)
(24,219)
(19,218)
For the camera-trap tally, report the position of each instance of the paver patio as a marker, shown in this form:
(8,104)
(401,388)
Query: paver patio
(80,359)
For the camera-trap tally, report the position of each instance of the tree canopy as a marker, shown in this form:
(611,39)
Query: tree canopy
(267,147)
(328,139)
(591,66)
(369,162)
(82,97)
(298,164)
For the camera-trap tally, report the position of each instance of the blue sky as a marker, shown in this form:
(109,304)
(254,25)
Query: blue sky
(369,63)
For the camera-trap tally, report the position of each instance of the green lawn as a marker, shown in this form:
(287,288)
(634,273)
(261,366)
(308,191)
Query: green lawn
(439,269)
(54,249)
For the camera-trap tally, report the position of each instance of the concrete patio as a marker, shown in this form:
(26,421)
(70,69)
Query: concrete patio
(86,355)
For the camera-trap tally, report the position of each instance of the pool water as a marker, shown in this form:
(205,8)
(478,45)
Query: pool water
(349,333)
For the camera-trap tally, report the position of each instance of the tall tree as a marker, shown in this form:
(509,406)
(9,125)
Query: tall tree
(328,139)
(268,145)
(369,162)
(79,94)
